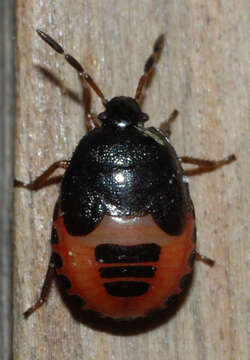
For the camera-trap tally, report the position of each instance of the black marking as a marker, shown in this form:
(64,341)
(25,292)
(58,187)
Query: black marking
(56,260)
(56,211)
(54,237)
(191,259)
(185,280)
(66,283)
(127,271)
(77,300)
(172,299)
(126,288)
(111,253)
(194,237)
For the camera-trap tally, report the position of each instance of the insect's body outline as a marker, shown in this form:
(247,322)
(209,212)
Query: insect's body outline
(139,180)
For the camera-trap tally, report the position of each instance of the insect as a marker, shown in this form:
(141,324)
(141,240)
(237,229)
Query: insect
(123,235)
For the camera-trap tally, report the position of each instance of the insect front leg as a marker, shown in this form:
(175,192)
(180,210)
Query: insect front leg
(45,178)
(204,166)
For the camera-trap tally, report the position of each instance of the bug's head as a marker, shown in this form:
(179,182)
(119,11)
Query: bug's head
(122,111)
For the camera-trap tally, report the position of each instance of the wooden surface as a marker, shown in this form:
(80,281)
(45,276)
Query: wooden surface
(7,106)
(204,72)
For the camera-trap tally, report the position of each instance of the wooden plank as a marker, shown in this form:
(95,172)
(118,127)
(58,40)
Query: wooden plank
(204,73)
(7,106)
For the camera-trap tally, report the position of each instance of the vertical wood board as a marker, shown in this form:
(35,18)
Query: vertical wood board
(204,73)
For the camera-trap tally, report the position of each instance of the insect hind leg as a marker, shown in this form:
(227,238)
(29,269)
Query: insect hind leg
(50,276)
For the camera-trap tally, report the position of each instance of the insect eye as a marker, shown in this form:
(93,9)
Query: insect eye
(102,116)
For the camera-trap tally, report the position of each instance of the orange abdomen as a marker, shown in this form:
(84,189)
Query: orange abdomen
(126,267)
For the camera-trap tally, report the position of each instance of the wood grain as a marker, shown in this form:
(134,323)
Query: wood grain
(204,73)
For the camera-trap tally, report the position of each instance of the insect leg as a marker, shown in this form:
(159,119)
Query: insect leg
(204,258)
(204,166)
(50,275)
(44,179)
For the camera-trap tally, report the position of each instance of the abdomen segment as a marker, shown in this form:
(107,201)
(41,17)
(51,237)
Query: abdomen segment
(125,268)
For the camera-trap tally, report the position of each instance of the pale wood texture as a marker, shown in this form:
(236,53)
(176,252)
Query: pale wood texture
(204,73)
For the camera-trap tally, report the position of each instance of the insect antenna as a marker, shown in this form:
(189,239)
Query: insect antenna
(151,61)
(84,76)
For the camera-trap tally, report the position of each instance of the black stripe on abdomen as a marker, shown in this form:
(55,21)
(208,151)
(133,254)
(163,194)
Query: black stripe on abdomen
(127,271)
(126,288)
(112,253)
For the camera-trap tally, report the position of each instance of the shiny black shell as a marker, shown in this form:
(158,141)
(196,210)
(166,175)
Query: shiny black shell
(124,171)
